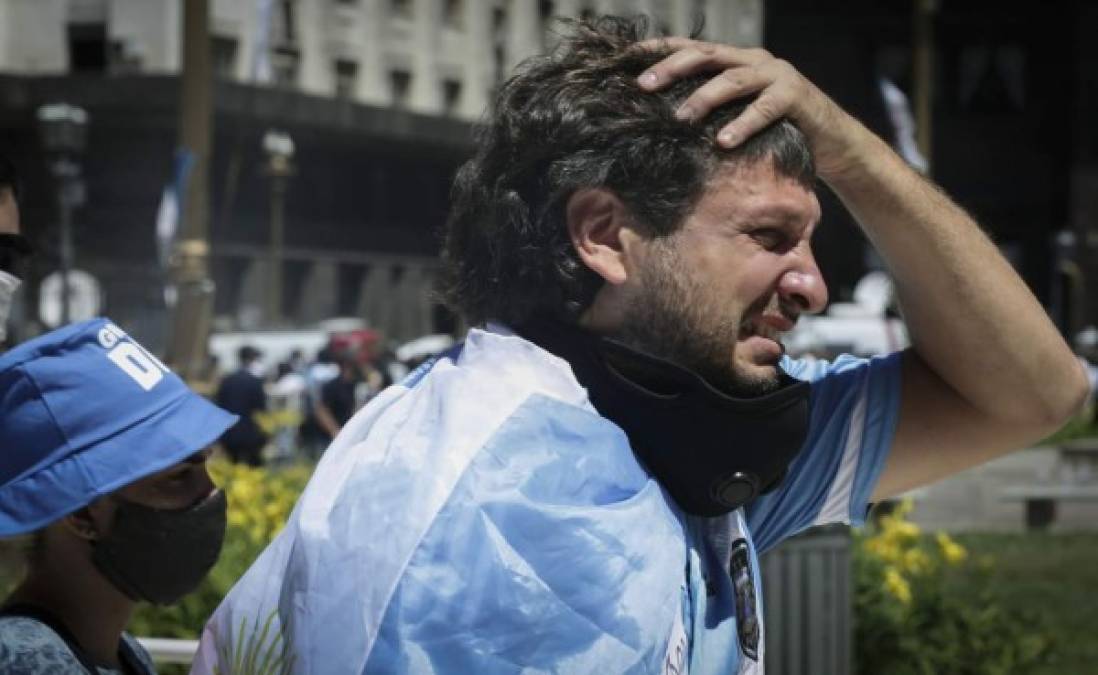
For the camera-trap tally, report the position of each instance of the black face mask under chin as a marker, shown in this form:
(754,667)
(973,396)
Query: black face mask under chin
(160,555)
(713,453)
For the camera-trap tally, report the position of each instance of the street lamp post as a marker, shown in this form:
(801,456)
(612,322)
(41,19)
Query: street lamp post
(280,152)
(64,135)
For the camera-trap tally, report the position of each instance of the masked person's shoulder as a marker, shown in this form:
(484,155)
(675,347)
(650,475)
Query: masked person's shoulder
(29,646)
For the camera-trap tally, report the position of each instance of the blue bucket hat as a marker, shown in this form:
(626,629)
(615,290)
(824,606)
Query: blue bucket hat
(84,411)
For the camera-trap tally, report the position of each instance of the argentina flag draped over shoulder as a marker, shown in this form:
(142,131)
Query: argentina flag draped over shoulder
(478,518)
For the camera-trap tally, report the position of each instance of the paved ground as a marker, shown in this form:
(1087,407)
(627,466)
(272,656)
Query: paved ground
(972,500)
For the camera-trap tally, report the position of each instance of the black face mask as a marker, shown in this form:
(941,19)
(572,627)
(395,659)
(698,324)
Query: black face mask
(713,453)
(160,555)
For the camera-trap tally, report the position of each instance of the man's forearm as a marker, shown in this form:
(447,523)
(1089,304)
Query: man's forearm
(971,317)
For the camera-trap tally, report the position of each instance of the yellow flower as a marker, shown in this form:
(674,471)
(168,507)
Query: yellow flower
(236,518)
(903,530)
(244,491)
(884,549)
(916,561)
(953,552)
(897,586)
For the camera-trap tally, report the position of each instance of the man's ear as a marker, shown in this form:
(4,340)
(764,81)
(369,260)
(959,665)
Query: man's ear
(596,219)
(83,523)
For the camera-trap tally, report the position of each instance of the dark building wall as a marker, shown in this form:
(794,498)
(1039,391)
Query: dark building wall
(376,181)
(1083,119)
(368,182)
(1005,94)
(833,45)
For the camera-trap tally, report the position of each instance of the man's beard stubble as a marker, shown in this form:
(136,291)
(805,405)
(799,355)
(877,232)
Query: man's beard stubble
(674,319)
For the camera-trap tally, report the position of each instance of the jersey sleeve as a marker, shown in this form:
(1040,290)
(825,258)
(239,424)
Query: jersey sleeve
(853,409)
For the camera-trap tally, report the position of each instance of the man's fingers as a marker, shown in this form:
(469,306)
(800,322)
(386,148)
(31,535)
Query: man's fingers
(768,108)
(730,85)
(743,72)
(691,57)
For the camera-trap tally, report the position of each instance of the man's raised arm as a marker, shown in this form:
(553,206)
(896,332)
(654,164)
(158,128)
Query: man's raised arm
(988,372)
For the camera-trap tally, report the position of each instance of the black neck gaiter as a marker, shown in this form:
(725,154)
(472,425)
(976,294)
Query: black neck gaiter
(713,453)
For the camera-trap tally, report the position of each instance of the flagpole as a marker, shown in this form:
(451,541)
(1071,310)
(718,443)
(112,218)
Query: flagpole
(924,77)
(193,311)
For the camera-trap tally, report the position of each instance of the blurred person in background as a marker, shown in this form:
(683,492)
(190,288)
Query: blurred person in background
(103,473)
(313,434)
(242,393)
(286,397)
(295,363)
(14,247)
(338,396)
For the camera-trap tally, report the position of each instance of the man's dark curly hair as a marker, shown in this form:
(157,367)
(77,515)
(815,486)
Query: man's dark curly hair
(573,119)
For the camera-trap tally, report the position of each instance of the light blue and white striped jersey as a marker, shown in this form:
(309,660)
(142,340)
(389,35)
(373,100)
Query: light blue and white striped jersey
(481,517)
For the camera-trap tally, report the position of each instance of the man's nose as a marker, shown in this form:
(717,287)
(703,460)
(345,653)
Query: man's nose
(803,286)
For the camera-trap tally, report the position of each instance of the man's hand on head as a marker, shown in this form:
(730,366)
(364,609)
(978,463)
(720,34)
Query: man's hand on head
(780,92)
(1001,376)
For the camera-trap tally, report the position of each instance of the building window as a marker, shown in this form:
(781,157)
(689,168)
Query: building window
(451,96)
(697,17)
(124,59)
(452,13)
(400,8)
(546,15)
(400,85)
(346,77)
(223,56)
(87,47)
(284,66)
(499,64)
(991,79)
(499,39)
(283,24)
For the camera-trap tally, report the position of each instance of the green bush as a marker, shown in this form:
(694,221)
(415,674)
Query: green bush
(910,620)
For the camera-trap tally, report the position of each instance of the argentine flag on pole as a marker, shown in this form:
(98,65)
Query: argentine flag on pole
(261,49)
(170,213)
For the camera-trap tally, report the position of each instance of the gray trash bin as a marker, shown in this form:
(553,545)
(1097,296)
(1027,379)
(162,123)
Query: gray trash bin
(807,596)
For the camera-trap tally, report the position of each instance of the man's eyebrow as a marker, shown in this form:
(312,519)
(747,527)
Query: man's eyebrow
(778,214)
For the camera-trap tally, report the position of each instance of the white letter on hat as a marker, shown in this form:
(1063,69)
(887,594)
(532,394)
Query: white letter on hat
(133,361)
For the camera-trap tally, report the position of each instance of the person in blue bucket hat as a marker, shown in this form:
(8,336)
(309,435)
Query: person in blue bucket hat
(103,469)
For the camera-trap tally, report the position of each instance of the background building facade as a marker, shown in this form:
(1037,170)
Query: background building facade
(377,95)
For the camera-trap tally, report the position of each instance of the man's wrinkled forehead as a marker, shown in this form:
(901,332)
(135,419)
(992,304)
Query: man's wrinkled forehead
(758,189)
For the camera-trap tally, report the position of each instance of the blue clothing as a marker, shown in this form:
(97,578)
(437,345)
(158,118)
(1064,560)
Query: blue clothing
(242,394)
(482,517)
(30,647)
